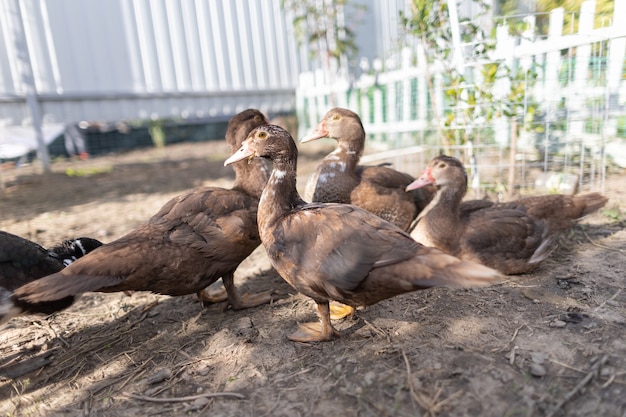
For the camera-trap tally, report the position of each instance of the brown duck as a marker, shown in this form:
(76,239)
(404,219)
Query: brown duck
(340,252)
(339,178)
(513,237)
(23,261)
(195,239)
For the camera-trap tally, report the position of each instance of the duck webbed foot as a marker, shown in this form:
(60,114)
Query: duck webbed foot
(247,300)
(321,331)
(212,294)
(340,311)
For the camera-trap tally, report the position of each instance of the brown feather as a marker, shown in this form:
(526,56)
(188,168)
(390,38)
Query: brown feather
(342,252)
(512,237)
(193,240)
(377,189)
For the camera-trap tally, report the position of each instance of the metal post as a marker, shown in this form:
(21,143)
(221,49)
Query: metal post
(28,79)
(457,53)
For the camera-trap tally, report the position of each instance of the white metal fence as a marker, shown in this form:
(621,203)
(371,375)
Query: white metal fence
(118,60)
(67,61)
(580,88)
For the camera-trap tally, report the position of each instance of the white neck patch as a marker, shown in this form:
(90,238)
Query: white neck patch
(279,174)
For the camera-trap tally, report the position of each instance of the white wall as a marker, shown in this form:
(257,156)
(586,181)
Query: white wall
(127,59)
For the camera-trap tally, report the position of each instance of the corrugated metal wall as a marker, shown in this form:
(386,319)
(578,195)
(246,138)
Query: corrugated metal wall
(130,59)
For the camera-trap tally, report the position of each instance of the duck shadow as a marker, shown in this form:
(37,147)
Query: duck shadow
(150,320)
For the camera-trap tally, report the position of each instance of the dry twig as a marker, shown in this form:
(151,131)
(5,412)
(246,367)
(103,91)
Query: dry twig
(516,332)
(613,297)
(184,399)
(595,368)
(594,243)
(431,405)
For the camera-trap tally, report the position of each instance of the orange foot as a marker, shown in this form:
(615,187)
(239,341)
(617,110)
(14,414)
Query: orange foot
(313,332)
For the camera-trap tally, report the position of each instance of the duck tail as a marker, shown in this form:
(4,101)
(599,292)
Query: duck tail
(443,270)
(11,306)
(8,308)
(57,287)
(590,202)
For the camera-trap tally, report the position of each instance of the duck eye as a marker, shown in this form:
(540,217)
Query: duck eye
(442,165)
(257,118)
(261,135)
(335,117)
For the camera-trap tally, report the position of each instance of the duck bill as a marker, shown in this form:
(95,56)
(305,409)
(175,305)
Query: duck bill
(424,180)
(243,153)
(319,132)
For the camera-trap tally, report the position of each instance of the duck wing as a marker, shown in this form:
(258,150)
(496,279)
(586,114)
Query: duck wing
(191,242)
(346,243)
(506,239)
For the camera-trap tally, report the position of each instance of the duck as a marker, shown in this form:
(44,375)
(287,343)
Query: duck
(236,132)
(340,252)
(339,179)
(196,238)
(513,237)
(23,261)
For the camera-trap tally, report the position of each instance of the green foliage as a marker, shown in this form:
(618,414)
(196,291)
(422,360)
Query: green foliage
(614,214)
(87,172)
(318,24)
(511,11)
(157,133)
(467,102)
(621,127)
(429,21)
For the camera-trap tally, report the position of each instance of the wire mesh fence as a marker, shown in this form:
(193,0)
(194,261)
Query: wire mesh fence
(556,122)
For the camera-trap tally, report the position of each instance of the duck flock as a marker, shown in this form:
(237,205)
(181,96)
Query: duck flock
(361,234)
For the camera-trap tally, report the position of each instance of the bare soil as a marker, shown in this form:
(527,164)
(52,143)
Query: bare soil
(551,343)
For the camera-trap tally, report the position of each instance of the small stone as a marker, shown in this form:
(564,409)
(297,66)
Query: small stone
(537,370)
(159,376)
(242,323)
(198,404)
(557,323)
(537,357)
(563,284)
(613,303)
(369,378)
(245,329)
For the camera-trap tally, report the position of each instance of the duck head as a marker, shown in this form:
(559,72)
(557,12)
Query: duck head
(241,124)
(266,141)
(442,170)
(337,123)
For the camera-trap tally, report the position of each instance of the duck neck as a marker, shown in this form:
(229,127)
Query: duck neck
(251,177)
(350,149)
(280,195)
(447,199)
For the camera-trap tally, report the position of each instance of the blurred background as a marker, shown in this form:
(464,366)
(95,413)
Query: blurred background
(529,94)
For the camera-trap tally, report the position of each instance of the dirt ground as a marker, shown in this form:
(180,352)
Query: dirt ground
(551,343)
